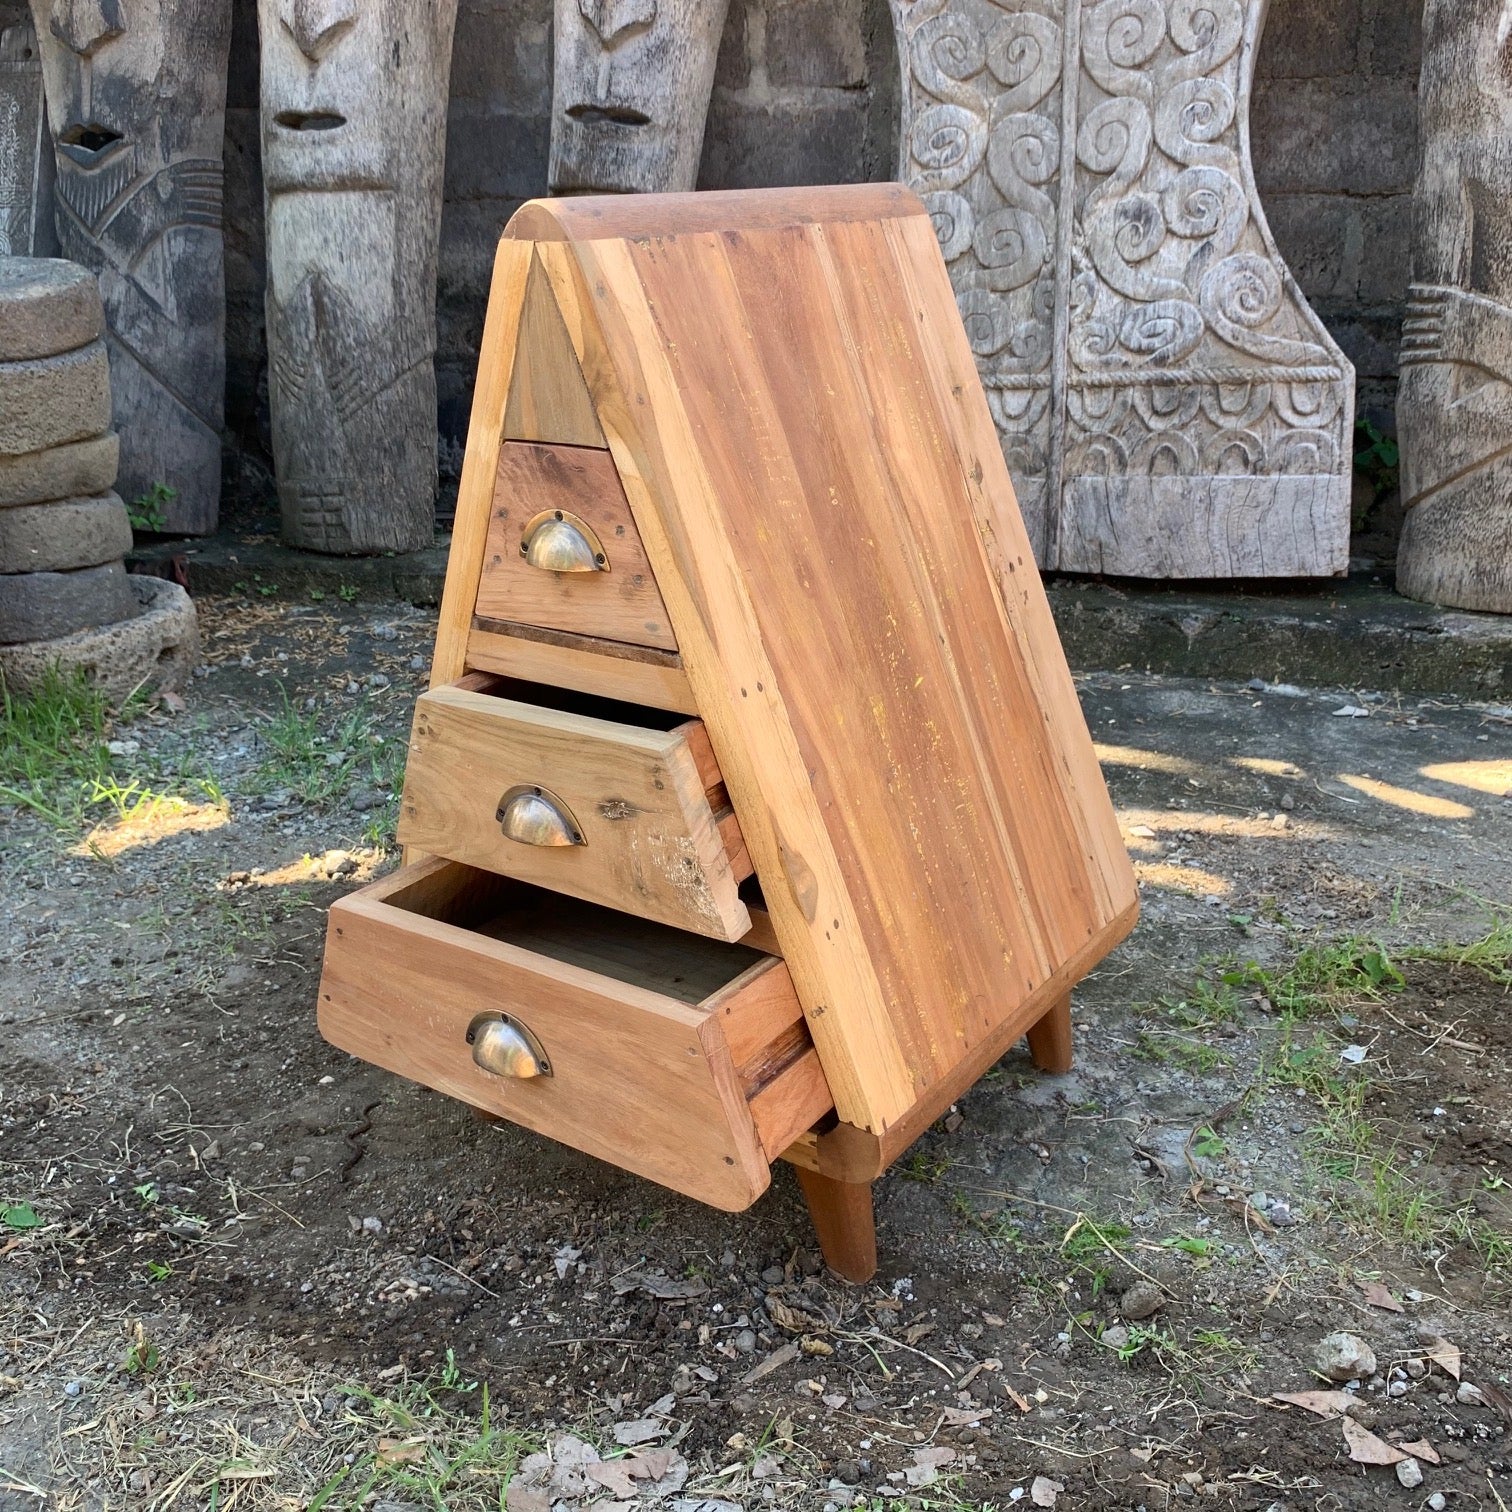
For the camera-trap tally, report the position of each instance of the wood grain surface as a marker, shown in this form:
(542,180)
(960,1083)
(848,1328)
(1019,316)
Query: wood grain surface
(621,603)
(652,848)
(548,400)
(639,1079)
(794,412)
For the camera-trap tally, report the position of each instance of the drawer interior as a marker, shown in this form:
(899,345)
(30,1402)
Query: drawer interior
(686,967)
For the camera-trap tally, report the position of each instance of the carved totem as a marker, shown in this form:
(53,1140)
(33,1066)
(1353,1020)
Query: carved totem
(26,156)
(1168,403)
(631,93)
(1454,408)
(136,100)
(354,99)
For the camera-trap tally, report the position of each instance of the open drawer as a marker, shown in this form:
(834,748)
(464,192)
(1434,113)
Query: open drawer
(681,1059)
(610,802)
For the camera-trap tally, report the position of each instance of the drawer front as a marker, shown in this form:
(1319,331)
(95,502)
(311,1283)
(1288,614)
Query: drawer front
(681,1060)
(564,554)
(612,813)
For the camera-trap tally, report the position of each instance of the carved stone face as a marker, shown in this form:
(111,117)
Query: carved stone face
(353,127)
(632,86)
(136,93)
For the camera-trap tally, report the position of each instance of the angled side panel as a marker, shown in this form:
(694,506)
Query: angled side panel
(642,412)
(480,462)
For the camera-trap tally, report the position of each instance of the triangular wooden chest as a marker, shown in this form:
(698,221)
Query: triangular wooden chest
(751,812)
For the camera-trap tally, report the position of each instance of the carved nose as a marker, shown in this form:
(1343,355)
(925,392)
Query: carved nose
(85,26)
(612,18)
(317,25)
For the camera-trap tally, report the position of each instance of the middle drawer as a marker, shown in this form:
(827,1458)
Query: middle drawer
(612,803)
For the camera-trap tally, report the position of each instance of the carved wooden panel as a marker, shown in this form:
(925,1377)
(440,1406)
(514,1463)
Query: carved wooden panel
(1455,404)
(1168,403)
(26,167)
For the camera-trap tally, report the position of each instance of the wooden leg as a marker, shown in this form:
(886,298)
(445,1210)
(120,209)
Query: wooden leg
(1050,1039)
(844,1221)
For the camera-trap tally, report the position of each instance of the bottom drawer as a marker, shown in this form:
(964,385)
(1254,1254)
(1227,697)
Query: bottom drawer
(682,1059)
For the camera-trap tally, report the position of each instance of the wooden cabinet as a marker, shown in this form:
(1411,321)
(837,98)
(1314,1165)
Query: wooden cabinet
(741,639)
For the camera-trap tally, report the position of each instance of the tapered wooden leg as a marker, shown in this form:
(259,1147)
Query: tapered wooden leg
(844,1221)
(1050,1039)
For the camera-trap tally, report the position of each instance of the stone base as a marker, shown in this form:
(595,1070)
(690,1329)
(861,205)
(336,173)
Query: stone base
(158,648)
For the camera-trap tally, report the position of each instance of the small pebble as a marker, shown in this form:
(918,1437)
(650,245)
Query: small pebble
(1438,1501)
(1344,1357)
(1410,1473)
(745,1341)
(1469,1396)
(73,1388)
(1142,1300)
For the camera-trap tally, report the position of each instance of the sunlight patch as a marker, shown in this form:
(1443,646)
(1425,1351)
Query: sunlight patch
(1493,777)
(148,822)
(1183,879)
(1145,761)
(1405,798)
(1266,766)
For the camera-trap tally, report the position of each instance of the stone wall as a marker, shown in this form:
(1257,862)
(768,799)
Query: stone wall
(807,92)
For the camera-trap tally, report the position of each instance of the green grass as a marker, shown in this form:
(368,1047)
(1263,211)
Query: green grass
(429,1448)
(55,759)
(1491,955)
(1175,1047)
(319,758)
(1326,977)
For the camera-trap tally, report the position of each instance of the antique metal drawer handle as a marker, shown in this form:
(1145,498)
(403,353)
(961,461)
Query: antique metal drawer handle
(534,815)
(557,540)
(503,1046)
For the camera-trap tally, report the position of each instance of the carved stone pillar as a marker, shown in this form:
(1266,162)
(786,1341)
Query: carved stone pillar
(631,93)
(1168,403)
(136,100)
(1454,408)
(354,99)
(26,155)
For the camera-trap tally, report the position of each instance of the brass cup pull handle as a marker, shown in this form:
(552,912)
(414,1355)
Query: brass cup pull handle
(503,1046)
(533,815)
(556,540)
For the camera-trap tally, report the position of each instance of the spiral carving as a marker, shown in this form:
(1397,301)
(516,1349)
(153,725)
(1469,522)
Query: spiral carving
(1118,38)
(946,51)
(1024,56)
(1243,293)
(1011,244)
(1165,331)
(1191,120)
(953,219)
(948,143)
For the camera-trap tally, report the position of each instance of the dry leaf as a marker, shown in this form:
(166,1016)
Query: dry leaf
(1327,1404)
(400,1451)
(917,1332)
(925,1470)
(815,1346)
(1043,1491)
(964,1417)
(1366,1449)
(1423,1450)
(660,1286)
(1445,1355)
(641,1431)
(522,1498)
(1498,1399)
(1380,1296)
(773,1361)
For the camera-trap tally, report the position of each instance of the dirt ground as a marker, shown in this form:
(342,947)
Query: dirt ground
(239,1268)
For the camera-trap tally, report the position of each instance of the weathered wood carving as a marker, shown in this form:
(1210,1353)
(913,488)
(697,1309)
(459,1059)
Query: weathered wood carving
(354,137)
(1454,408)
(136,98)
(631,93)
(1168,403)
(26,165)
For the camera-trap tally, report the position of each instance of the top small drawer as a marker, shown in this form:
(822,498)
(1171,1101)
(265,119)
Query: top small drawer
(563,552)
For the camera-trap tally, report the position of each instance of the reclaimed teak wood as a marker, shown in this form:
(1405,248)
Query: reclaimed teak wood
(751,812)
